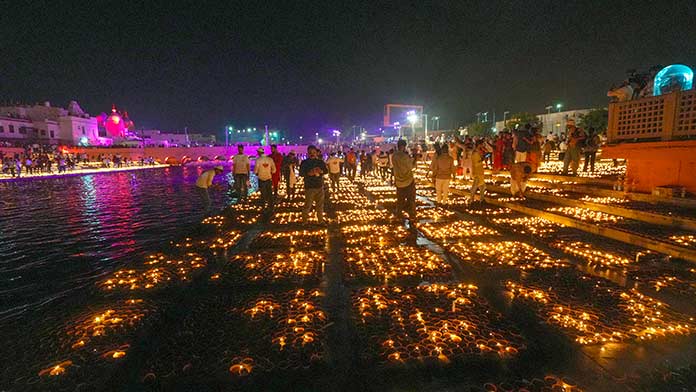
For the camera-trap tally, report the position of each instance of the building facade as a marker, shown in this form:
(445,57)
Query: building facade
(553,122)
(46,124)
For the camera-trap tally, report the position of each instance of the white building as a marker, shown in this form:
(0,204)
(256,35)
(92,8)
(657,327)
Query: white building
(45,124)
(158,138)
(554,122)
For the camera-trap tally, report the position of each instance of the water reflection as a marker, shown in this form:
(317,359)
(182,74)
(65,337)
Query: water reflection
(60,235)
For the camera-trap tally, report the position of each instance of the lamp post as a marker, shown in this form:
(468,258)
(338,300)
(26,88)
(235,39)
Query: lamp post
(559,106)
(413,119)
(436,120)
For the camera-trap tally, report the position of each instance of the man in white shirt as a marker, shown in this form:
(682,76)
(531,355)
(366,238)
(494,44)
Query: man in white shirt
(241,169)
(264,169)
(205,181)
(334,164)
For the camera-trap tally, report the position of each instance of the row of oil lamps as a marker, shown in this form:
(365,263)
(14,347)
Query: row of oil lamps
(296,320)
(373,234)
(614,314)
(273,267)
(435,322)
(388,263)
(296,239)
(455,230)
(586,214)
(504,254)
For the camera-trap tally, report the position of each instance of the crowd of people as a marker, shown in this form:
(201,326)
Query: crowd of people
(519,151)
(48,160)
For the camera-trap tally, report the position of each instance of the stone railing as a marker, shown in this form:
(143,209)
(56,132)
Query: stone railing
(666,117)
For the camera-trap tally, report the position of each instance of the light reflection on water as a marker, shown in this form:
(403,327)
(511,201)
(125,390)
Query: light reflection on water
(59,235)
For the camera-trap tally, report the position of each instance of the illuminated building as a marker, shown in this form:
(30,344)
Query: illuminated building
(49,124)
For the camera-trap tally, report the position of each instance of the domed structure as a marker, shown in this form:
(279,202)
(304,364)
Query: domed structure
(115,123)
(675,77)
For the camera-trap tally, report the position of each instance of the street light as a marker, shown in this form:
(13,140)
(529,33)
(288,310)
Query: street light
(436,119)
(559,106)
(228,131)
(412,117)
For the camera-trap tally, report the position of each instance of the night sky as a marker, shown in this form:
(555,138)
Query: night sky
(305,66)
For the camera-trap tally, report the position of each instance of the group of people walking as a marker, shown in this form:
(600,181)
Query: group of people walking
(520,152)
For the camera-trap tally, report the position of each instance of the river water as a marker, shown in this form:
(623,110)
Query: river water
(58,236)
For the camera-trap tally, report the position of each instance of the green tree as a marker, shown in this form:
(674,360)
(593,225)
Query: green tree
(520,119)
(479,129)
(597,119)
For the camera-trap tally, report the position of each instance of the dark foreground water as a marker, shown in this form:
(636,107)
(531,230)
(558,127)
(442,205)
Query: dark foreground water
(58,236)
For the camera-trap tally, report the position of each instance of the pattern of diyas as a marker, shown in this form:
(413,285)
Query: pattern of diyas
(586,215)
(398,262)
(455,230)
(233,337)
(595,311)
(298,239)
(375,235)
(271,267)
(529,225)
(442,323)
(435,214)
(363,216)
(591,254)
(160,270)
(504,254)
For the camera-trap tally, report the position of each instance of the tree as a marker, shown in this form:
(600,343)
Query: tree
(521,119)
(479,129)
(597,119)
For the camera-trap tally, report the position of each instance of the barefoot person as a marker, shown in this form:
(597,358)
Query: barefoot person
(205,181)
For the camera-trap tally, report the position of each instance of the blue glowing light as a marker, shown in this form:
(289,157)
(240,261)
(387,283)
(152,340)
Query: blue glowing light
(84,141)
(675,77)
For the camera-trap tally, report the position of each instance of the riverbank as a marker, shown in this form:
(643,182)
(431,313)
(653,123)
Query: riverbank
(79,172)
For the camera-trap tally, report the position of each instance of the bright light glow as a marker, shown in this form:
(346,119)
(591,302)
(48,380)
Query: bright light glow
(229,128)
(558,106)
(321,141)
(674,77)
(412,117)
(84,141)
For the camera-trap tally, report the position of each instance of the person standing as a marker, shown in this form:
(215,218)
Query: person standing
(288,171)
(590,150)
(383,163)
(576,138)
(351,164)
(534,152)
(477,171)
(334,164)
(241,169)
(442,168)
(264,168)
(363,164)
(278,161)
(205,181)
(546,150)
(374,164)
(521,141)
(313,170)
(403,165)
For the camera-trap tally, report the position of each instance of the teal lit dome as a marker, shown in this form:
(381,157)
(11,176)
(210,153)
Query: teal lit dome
(675,77)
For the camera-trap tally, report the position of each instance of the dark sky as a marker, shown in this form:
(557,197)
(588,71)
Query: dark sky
(307,65)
